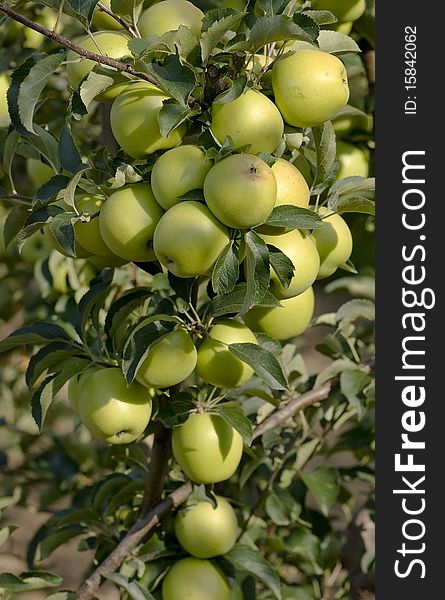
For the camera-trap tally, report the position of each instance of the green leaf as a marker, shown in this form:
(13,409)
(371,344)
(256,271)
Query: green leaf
(63,229)
(352,194)
(121,309)
(33,85)
(216,14)
(352,383)
(92,86)
(235,90)
(336,43)
(215,33)
(35,221)
(324,485)
(276,28)
(233,415)
(48,356)
(334,369)
(125,8)
(321,17)
(50,189)
(105,490)
(287,215)
(308,24)
(5,532)
(172,115)
(282,265)
(177,410)
(257,270)
(140,342)
(38,332)
(356,309)
(13,224)
(47,145)
(273,7)
(324,137)
(13,93)
(9,151)
(70,190)
(68,153)
(175,78)
(63,595)
(83,9)
(245,559)
(25,582)
(93,300)
(226,270)
(262,362)
(124,174)
(42,398)
(55,539)
(133,588)
(234,301)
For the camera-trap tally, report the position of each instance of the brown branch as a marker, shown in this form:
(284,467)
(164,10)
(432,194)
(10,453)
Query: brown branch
(117,18)
(143,526)
(294,406)
(63,41)
(160,453)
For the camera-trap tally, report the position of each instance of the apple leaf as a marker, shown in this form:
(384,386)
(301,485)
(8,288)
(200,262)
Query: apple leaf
(282,265)
(46,358)
(352,194)
(125,8)
(217,14)
(336,43)
(263,362)
(121,309)
(13,94)
(68,153)
(233,415)
(246,559)
(308,24)
(47,146)
(38,332)
(172,115)
(287,215)
(352,383)
(62,595)
(177,410)
(275,28)
(233,302)
(323,483)
(235,90)
(326,149)
(91,301)
(36,221)
(321,17)
(133,588)
(226,270)
(50,189)
(62,227)
(273,7)
(175,78)
(93,85)
(83,8)
(356,309)
(25,582)
(14,222)
(214,34)
(70,189)
(257,270)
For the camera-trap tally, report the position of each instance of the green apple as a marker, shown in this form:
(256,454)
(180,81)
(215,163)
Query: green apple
(114,412)
(286,321)
(4,113)
(258,63)
(189,239)
(204,531)
(300,248)
(195,579)
(103,21)
(207,449)
(36,247)
(353,160)
(169,361)
(292,189)
(34,39)
(310,86)
(88,233)
(346,126)
(344,10)
(60,278)
(303,165)
(241,191)
(75,384)
(169,15)
(216,364)
(252,119)
(127,222)
(334,243)
(344,28)
(38,172)
(102,262)
(177,172)
(134,121)
(109,43)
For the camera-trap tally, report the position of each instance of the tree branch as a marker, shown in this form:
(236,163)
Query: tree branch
(63,41)
(160,453)
(117,18)
(143,526)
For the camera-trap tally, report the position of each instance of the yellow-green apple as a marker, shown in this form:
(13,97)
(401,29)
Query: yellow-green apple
(74,386)
(103,21)
(195,579)
(344,10)
(78,248)
(113,411)
(177,172)
(168,15)
(334,243)
(4,113)
(189,239)
(252,119)
(291,189)
(286,321)
(109,43)
(169,361)
(36,247)
(353,160)
(241,191)
(207,449)
(134,121)
(33,39)
(204,531)
(87,232)
(101,262)
(310,86)
(300,248)
(216,364)
(38,172)
(127,222)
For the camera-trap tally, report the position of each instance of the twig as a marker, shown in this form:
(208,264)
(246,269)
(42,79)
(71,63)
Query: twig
(160,453)
(117,18)
(143,526)
(63,41)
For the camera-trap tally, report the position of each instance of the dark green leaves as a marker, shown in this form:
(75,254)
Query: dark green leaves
(174,77)
(262,362)
(294,217)
(269,29)
(257,270)
(352,194)
(327,167)
(68,153)
(233,302)
(244,558)
(226,270)
(25,582)
(233,415)
(140,342)
(282,265)
(214,33)
(324,485)
(38,332)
